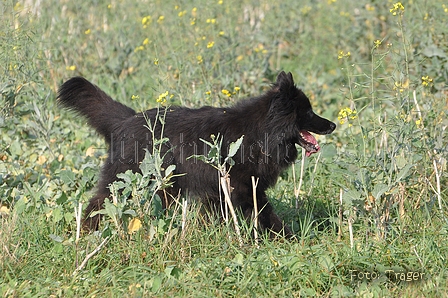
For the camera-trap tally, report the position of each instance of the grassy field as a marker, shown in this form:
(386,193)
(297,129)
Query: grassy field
(370,214)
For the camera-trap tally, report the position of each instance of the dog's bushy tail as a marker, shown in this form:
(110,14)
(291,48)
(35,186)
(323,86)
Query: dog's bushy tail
(102,112)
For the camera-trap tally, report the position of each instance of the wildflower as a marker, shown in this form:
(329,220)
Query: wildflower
(341,54)
(210,44)
(208,92)
(87,32)
(211,21)
(398,8)
(156,61)
(445,8)
(377,43)
(192,21)
(146,21)
(134,97)
(236,89)
(199,59)
(419,122)
(220,2)
(182,13)
(399,87)
(370,7)
(139,48)
(221,33)
(305,10)
(71,67)
(226,92)
(426,81)
(347,114)
(162,98)
(145,42)
(160,19)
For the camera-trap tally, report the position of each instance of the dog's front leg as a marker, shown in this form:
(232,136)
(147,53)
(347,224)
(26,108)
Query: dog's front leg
(271,221)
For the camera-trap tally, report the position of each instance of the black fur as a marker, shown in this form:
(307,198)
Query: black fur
(271,124)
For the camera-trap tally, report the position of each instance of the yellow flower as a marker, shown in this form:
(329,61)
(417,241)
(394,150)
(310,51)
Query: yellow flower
(139,48)
(134,97)
(182,13)
(71,67)
(220,2)
(208,92)
(199,59)
(87,32)
(221,33)
(377,43)
(399,87)
(226,92)
(160,19)
(398,8)
(419,123)
(346,114)
(210,44)
(305,10)
(236,89)
(146,41)
(162,98)
(370,7)
(156,61)
(146,21)
(426,81)
(211,21)
(341,54)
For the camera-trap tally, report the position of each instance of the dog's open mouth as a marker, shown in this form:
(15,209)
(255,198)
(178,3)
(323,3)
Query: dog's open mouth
(308,142)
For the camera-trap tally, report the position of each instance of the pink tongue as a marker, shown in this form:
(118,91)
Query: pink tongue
(309,138)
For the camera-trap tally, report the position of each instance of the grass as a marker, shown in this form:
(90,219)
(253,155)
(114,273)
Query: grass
(372,206)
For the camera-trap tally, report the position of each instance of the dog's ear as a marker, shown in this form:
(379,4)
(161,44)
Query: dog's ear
(284,80)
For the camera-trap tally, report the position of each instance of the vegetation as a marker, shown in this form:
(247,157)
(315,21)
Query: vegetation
(370,211)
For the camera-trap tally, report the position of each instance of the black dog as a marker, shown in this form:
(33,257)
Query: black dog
(271,124)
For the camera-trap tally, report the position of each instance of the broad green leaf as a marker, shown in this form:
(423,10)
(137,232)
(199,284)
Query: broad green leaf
(379,190)
(233,148)
(403,172)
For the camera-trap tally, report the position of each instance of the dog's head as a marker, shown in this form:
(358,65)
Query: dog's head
(291,104)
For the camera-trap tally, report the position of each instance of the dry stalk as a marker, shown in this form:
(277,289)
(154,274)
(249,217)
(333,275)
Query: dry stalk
(254,196)
(78,214)
(90,255)
(340,215)
(184,226)
(438,192)
(350,230)
(225,184)
(297,189)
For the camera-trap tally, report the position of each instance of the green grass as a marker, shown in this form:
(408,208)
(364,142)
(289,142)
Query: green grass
(381,176)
